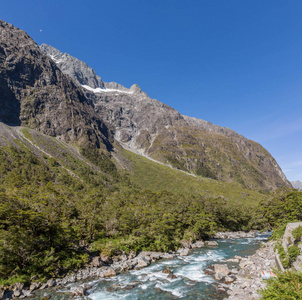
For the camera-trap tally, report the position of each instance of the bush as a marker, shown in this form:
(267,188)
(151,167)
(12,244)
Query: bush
(283,257)
(293,252)
(278,232)
(297,233)
(287,286)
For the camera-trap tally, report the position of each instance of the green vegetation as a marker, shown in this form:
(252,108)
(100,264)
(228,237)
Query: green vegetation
(293,252)
(287,286)
(155,177)
(216,156)
(297,234)
(283,256)
(57,207)
(278,209)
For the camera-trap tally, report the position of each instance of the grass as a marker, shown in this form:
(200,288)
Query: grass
(156,177)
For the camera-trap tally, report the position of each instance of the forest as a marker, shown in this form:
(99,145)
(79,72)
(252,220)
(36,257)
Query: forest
(52,221)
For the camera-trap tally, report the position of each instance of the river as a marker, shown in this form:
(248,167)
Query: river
(191,282)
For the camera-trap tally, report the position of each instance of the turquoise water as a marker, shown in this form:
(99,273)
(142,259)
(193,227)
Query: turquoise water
(191,281)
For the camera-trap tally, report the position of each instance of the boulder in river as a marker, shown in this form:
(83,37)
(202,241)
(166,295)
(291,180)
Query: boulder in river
(109,272)
(221,268)
(171,276)
(219,276)
(211,243)
(186,244)
(183,251)
(166,271)
(198,244)
(79,291)
(141,263)
(229,279)
(51,283)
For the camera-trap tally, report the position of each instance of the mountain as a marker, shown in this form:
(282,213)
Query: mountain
(297,184)
(65,197)
(159,132)
(35,93)
(57,94)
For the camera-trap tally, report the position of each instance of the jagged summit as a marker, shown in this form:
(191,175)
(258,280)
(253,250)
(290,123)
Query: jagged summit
(83,74)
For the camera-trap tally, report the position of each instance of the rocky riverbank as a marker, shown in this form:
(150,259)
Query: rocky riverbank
(100,267)
(103,266)
(246,281)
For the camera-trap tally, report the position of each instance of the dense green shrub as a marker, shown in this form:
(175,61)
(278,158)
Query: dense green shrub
(280,208)
(278,232)
(293,252)
(297,233)
(287,286)
(283,256)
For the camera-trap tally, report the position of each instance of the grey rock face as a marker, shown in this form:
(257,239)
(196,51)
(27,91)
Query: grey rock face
(35,93)
(73,67)
(79,70)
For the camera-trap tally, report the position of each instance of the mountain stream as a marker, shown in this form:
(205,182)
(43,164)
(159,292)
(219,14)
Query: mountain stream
(191,282)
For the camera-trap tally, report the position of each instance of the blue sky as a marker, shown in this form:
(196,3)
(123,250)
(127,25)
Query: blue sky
(234,63)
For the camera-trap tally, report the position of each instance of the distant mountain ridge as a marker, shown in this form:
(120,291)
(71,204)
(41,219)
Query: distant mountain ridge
(297,184)
(155,130)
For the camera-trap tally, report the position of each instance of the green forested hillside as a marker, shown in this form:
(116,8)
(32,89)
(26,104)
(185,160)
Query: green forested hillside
(60,204)
(155,176)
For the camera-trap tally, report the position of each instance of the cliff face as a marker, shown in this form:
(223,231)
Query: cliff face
(35,93)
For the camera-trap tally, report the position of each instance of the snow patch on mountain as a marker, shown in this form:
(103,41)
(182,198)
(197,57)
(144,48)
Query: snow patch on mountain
(100,90)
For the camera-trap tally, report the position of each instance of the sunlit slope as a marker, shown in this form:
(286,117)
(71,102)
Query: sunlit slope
(154,176)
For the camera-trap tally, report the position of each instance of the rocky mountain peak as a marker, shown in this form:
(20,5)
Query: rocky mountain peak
(73,67)
(35,93)
(135,88)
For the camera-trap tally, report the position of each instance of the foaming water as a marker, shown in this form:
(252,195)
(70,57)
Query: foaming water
(191,282)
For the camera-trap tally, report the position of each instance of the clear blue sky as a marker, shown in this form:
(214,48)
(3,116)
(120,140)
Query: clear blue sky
(235,63)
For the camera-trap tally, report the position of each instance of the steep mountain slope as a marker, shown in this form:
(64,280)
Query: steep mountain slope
(35,93)
(157,131)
